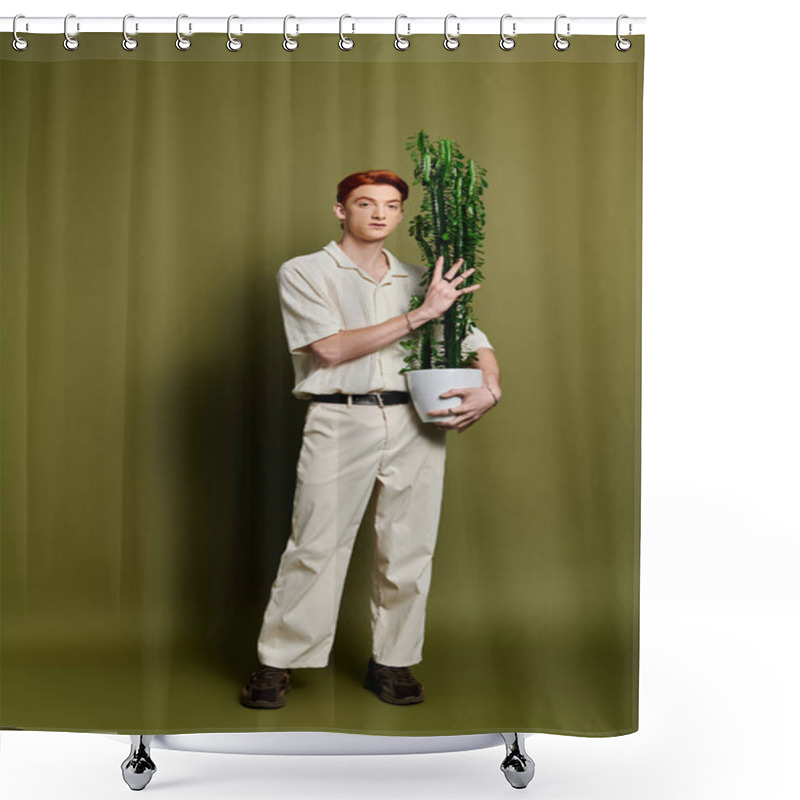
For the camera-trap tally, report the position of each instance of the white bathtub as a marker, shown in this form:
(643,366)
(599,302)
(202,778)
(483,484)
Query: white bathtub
(138,768)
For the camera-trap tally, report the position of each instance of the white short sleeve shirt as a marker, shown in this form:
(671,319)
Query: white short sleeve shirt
(323,293)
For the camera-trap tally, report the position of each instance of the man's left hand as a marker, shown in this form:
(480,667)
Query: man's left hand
(475,402)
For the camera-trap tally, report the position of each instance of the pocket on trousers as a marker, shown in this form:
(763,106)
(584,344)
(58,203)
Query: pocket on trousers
(312,407)
(316,422)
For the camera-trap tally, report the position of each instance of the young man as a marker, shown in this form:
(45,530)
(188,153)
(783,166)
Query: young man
(345,311)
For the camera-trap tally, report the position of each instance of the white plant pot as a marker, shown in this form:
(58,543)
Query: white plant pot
(425,386)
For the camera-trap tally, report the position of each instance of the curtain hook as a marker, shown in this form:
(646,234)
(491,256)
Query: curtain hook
(506,42)
(128,42)
(289,42)
(451,42)
(623,44)
(182,43)
(560,42)
(399,42)
(19,43)
(346,43)
(70,42)
(234,44)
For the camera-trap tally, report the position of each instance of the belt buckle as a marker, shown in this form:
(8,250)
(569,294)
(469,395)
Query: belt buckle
(379,399)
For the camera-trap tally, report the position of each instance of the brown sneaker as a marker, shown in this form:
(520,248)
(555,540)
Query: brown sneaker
(394,685)
(267,687)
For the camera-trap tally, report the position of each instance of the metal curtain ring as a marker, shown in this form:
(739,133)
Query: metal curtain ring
(289,42)
(182,43)
(506,42)
(19,43)
(233,44)
(344,42)
(451,42)
(560,43)
(70,42)
(399,42)
(623,44)
(128,42)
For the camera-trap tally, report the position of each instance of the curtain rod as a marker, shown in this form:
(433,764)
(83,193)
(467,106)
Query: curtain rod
(297,25)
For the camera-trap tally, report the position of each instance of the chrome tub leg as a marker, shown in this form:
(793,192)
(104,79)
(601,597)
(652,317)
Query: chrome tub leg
(517,766)
(138,768)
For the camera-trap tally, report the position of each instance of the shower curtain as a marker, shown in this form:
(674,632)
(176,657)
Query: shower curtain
(149,433)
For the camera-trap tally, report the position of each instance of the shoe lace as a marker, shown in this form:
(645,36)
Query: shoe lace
(400,675)
(267,677)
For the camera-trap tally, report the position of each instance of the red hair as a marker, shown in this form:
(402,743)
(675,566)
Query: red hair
(370,177)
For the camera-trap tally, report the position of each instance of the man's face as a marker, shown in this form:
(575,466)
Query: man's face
(371,211)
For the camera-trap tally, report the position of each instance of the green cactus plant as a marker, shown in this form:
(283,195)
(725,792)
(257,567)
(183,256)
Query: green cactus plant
(450,224)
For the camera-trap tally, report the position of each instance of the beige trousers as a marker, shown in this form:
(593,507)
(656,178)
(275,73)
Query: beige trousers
(345,449)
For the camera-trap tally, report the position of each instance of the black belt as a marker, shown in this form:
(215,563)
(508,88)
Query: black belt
(386,398)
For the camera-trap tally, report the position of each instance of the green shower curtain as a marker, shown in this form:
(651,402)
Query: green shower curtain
(149,433)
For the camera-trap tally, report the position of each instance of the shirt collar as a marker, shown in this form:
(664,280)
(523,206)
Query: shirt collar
(396,267)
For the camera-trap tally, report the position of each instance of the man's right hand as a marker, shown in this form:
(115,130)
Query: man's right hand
(443,291)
